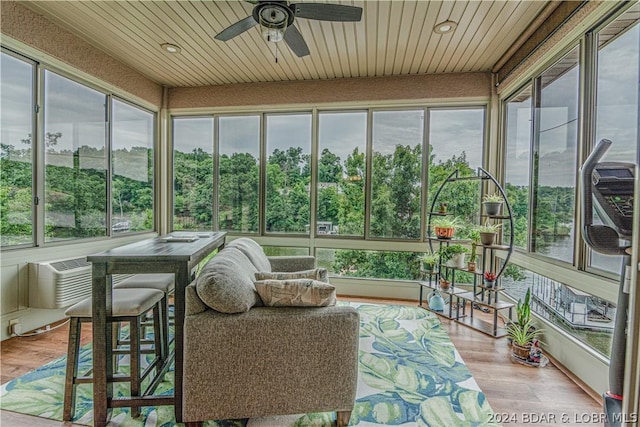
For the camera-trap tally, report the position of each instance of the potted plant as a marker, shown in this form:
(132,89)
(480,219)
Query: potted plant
(444,280)
(489,279)
(522,337)
(488,233)
(428,262)
(453,255)
(474,235)
(445,227)
(492,203)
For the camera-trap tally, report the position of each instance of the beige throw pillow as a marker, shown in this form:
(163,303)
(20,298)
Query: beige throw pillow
(315,274)
(296,293)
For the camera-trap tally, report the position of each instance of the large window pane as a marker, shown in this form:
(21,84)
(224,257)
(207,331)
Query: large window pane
(555,165)
(396,174)
(341,173)
(132,166)
(517,161)
(584,316)
(455,143)
(617,108)
(75,158)
(288,173)
(239,147)
(16,157)
(370,264)
(192,173)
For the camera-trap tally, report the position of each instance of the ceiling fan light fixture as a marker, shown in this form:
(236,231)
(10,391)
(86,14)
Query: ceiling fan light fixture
(272,34)
(445,27)
(273,20)
(170,48)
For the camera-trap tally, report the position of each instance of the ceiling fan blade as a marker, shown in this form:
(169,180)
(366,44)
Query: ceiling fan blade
(327,12)
(236,29)
(296,43)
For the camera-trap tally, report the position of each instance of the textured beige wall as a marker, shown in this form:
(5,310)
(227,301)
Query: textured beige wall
(336,90)
(28,27)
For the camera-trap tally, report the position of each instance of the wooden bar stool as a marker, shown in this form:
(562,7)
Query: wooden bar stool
(130,305)
(164,282)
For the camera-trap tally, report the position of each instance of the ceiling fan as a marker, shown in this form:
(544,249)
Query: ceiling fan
(277,21)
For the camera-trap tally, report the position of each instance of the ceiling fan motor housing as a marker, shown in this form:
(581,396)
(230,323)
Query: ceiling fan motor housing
(273,14)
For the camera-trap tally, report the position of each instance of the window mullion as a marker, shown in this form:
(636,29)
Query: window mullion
(38,150)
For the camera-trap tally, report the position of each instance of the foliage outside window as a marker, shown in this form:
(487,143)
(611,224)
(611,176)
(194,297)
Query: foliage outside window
(132,169)
(555,158)
(517,163)
(370,264)
(285,251)
(16,154)
(288,173)
(75,156)
(617,103)
(239,173)
(192,173)
(396,174)
(455,143)
(84,144)
(584,316)
(341,173)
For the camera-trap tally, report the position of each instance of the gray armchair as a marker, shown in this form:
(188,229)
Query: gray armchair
(267,360)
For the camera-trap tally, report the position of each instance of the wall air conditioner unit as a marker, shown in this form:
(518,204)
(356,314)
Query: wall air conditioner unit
(61,283)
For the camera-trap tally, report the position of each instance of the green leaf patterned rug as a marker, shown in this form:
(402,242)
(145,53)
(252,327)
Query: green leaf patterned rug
(410,374)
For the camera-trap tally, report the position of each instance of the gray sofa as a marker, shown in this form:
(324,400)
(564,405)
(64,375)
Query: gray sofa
(263,361)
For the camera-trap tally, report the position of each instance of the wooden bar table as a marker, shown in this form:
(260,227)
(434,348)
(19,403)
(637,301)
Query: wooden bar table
(166,254)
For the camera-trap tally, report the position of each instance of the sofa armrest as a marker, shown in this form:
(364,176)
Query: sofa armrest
(270,361)
(292,263)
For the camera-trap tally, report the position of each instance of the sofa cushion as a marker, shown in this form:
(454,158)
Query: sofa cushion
(298,293)
(253,251)
(315,274)
(226,282)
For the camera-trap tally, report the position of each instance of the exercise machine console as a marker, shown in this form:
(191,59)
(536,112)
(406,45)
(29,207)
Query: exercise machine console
(607,187)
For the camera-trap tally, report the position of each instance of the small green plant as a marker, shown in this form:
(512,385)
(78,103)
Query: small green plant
(487,227)
(446,222)
(429,261)
(523,335)
(474,235)
(523,309)
(448,252)
(493,198)
(429,258)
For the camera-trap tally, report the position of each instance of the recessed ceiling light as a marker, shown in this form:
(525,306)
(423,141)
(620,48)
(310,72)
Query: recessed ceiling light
(171,48)
(445,27)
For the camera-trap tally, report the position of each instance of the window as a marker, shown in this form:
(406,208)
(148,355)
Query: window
(97,153)
(192,173)
(517,159)
(239,166)
(555,151)
(617,100)
(370,264)
(584,316)
(341,173)
(455,143)
(288,144)
(75,157)
(396,176)
(132,168)
(16,150)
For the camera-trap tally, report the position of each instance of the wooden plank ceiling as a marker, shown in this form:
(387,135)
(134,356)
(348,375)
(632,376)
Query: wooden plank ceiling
(393,38)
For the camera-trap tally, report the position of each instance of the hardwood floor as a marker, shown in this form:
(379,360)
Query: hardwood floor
(518,394)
